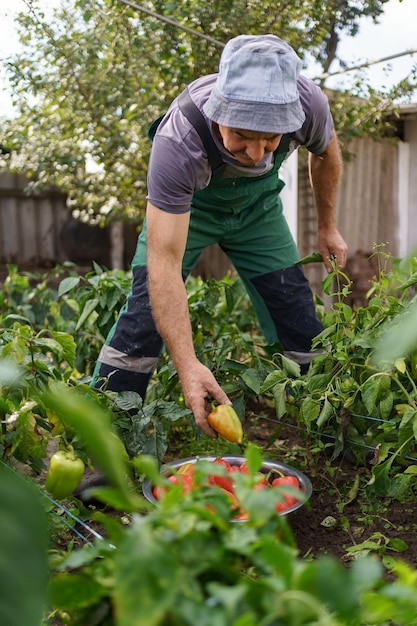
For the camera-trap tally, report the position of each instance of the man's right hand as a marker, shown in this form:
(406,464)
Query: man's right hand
(200,389)
(167,238)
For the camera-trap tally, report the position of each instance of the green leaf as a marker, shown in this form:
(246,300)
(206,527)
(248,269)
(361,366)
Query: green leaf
(251,379)
(74,591)
(253,456)
(328,332)
(168,410)
(98,270)
(399,337)
(326,413)
(23,549)
(17,349)
(327,284)
(397,544)
(50,344)
(309,410)
(377,395)
(400,365)
(409,283)
(156,444)
(315,257)
(330,583)
(144,594)
(380,479)
(10,373)
(290,367)
(400,483)
(128,400)
(228,597)
(87,310)
(318,382)
(365,573)
(113,298)
(271,380)
(280,399)
(279,557)
(68,346)
(67,284)
(347,312)
(148,465)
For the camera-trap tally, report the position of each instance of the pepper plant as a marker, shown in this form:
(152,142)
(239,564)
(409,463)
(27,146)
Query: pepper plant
(185,562)
(352,394)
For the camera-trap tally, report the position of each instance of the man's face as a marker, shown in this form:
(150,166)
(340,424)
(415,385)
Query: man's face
(248,146)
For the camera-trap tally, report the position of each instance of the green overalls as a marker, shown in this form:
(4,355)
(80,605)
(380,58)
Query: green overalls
(245,217)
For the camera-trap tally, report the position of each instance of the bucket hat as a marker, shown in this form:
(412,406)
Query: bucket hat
(256,87)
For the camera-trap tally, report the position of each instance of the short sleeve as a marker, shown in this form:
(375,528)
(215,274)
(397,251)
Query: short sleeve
(317,130)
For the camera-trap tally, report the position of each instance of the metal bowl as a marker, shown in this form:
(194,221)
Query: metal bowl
(267,466)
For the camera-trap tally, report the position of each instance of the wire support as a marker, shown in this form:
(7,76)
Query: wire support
(168,20)
(67,512)
(321,434)
(367,64)
(76,519)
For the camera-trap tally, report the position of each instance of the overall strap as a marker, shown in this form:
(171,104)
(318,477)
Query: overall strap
(196,118)
(284,144)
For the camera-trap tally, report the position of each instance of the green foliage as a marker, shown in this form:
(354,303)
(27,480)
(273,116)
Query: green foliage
(184,561)
(353,393)
(226,339)
(23,545)
(358,391)
(62,301)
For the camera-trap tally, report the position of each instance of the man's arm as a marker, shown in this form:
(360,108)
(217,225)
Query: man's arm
(167,238)
(325,170)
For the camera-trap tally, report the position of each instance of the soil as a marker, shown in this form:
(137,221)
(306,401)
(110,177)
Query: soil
(325,525)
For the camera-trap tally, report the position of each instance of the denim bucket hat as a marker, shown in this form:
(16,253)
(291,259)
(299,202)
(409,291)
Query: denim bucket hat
(256,87)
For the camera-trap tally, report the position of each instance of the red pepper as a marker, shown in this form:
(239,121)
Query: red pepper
(292,481)
(289,500)
(222,481)
(222,463)
(243,467)
(186,480)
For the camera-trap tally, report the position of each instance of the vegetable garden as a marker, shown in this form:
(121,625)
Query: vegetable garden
(108,556)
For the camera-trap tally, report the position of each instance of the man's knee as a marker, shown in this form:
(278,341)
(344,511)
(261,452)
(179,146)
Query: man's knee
(287,296)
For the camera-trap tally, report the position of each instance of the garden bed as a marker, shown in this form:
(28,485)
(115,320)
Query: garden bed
(330,523)
(338,520)
(363,500)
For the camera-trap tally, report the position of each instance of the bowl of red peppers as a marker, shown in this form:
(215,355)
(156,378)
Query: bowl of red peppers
(292,486)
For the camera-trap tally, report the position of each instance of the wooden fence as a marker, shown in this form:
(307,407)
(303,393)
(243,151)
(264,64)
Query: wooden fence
(367,208)
(30,225)
(37,230)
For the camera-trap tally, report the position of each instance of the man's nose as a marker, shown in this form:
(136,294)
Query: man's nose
(255,150)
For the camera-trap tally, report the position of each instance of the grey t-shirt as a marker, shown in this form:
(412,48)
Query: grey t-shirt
(178,164)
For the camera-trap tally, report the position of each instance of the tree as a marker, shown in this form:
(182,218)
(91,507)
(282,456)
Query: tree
(90,81)
(342,16)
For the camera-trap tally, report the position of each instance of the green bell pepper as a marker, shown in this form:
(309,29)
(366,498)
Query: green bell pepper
(64,474)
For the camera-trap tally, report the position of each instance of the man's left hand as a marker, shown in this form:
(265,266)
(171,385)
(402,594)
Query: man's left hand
(332,248)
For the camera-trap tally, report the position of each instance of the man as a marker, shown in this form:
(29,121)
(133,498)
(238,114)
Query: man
(256,111)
